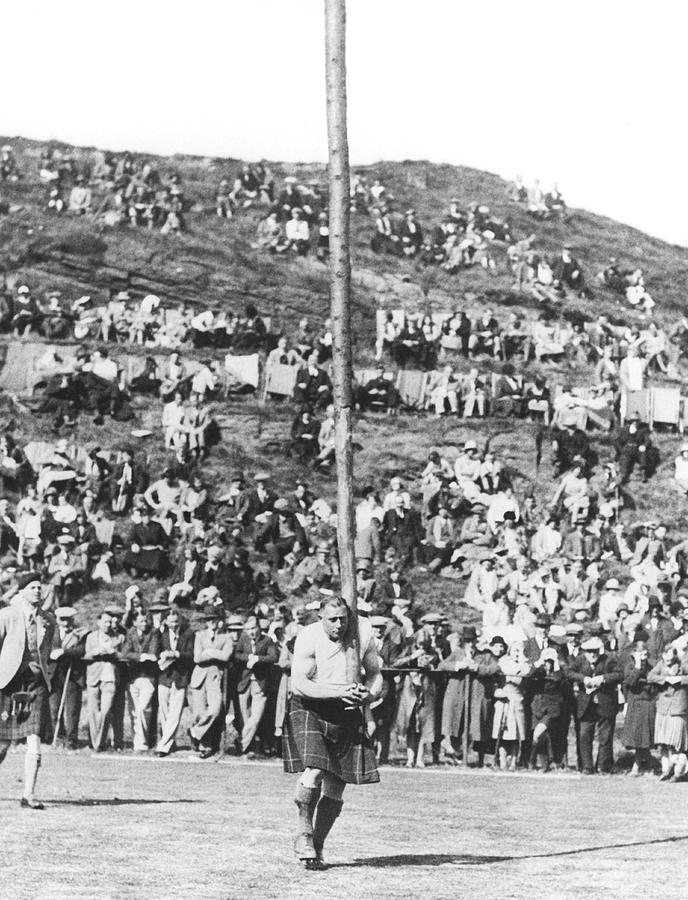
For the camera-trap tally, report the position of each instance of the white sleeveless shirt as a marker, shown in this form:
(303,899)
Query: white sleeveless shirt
(330,657)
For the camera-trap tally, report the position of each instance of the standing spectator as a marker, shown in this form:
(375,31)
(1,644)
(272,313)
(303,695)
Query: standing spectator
(598,678)
(176,660)
(102,654)
(141,649)
(212,652)
(670,675)
(67,675)
(639,722)
(256,654)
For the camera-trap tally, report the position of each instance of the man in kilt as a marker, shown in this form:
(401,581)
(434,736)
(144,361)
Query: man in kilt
(325,732)
(26,636)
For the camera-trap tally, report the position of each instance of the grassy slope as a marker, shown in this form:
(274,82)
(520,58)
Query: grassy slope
(215,260)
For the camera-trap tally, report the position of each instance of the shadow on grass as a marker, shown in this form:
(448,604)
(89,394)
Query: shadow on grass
(468,859)
(117,801)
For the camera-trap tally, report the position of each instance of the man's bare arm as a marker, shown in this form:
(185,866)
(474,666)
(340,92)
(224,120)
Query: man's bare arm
(302,667)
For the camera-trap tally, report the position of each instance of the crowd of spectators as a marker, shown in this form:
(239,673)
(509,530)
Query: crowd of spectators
(562,646)
(579,608)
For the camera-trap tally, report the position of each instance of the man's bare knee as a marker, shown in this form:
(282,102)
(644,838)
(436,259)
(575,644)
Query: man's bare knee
(312,778)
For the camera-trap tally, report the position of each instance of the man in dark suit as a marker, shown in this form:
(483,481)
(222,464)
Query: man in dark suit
(597,676)
(634,447)
(256,654)
(147,552)
(402,530)
(256,501)
(67,675)
(175,662)
(313,386)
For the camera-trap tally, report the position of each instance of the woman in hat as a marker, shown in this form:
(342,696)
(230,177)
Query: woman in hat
(509,715)
(639,723)
(548,688)
(415,721)
(671,720)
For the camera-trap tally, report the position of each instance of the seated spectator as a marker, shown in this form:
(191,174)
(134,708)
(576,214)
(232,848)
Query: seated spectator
(224,205)
(537,399)
(456,332)
(485,336)
(556,206)
(378,392)
(313,386)
(409,346)
(80,197)
(283,355)
(567,270)
(297,233)
(507,394)
(681,468)
(547,342)
(444,390)
(655,346)
(411,234)
(386,238)
(304,436)
(322,240)
(474,394)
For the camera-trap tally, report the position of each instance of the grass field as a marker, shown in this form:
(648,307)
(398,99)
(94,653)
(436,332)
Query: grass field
(123,826)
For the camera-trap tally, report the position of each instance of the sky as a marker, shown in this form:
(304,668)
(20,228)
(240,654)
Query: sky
(589,95)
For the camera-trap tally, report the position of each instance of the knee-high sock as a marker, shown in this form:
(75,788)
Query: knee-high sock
(326,815)
(306,799)
(32,763)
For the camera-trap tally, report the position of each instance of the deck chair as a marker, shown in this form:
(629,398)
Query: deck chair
(411,386)
(280,380)
(635,401)
(39,453)
(105,529)
(665,406)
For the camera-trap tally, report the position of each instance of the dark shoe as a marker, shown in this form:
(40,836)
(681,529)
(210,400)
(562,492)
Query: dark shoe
(161,753)
(206,753)
(25,803)
(314,865)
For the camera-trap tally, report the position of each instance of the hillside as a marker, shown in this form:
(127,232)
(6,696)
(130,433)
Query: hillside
(213,263)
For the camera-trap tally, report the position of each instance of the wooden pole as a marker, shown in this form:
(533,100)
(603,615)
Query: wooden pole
(340,309)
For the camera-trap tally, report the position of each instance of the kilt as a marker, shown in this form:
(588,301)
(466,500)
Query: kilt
(36,720)
(324,734)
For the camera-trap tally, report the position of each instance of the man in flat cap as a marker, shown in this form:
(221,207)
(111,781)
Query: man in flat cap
(102,655)
(597,676)
(212,651)
(26,635)
(67,675)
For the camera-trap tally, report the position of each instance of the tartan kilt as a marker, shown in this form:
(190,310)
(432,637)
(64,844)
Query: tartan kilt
(323,734)
(36,720)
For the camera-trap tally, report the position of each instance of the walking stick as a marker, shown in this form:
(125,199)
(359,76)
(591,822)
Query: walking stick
(466,716)
(60,710)
(501,729)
